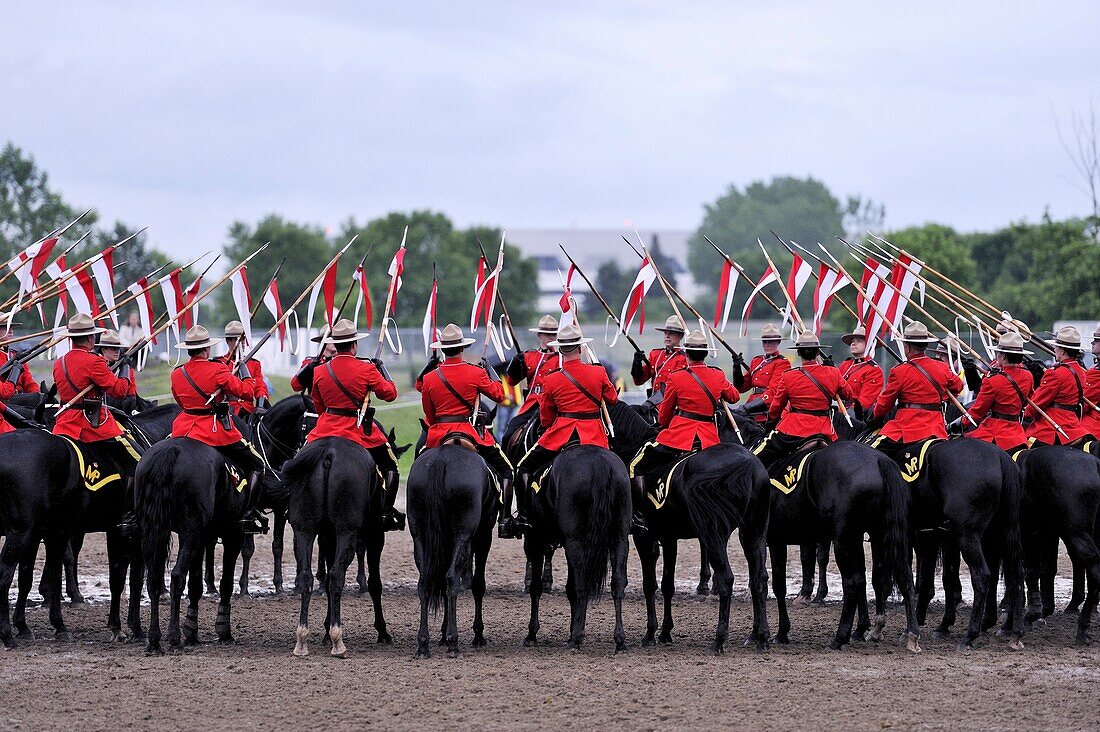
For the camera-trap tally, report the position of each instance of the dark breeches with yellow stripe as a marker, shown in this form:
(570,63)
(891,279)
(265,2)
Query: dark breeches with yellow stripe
(243,455)
(124,450)
(776,446)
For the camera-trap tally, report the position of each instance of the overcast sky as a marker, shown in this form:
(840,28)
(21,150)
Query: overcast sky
(186,116)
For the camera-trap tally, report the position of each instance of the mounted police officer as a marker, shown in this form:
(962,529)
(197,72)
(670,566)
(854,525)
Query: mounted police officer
(202,388)
(1061,393)
(570,410)
(1002,397)
(18,375)
(532,365)
(1091,420)
(303,380)
(89,421)
(661,361)
(688,416)
(761,371)
(863,376)
(236,342)
(110,347)
(340,387)
(450,392)
(919,387)
(801,402)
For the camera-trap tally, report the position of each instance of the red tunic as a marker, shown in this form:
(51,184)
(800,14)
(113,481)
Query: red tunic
(794,389)
(470,382)
(7,390)
(1091,420)
(257,373)
(294,383)
(1063,384)
(358,377)
(26,383)
(685,402)
(538,364)
(661,364)
(561,398)
(865,379)
(907,385)
(762,371)
(209,376)
(998,407)
(86,369)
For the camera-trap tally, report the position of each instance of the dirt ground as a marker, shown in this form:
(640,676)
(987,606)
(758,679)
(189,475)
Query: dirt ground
(91,683)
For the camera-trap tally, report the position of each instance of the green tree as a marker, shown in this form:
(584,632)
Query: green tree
(942,249)
(29,209)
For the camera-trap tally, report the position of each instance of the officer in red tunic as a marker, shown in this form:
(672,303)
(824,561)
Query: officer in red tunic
(19,374)
(919,387)
(110,347)
(1002,396)
(1060,393)
(340,387)
(661,361)
(688,415)
(450,392)
(532,366)
(801,401)
(1091,420)
(863,375)
(303,380)
(236,342)
(570,410)
(762,370)
(201,387)
(89,420)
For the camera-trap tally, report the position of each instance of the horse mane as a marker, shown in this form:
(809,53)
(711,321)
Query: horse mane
(632,430)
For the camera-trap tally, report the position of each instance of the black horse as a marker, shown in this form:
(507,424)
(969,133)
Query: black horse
(584,506)
(1061,500)
(451,508)
(184,486)
(332,491)
(519,437)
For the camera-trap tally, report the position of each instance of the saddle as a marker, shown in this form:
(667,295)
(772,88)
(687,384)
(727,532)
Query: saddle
(460,439)
(912,458)
(786,474)
(658,491)
(96,470)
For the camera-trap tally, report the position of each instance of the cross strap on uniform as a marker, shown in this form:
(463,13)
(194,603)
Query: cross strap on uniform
(340,385)
(824,393)
(1019,393)
(713,401)
(925,374)
(1075,408)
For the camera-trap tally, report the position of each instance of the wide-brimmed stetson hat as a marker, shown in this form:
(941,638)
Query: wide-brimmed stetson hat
(949,345)
(696,341)
(234,329)
(673,324)
(110,339)
(1096,334)
(771,332)
(809,339)
(1011,342)
(858,332)
(344,332)
(548,325)
(1067,337)
(198,337)
(81,325)
(917,332)
(451,337)
(569,337)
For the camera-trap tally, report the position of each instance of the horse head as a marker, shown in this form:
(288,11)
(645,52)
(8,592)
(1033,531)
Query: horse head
(398,451)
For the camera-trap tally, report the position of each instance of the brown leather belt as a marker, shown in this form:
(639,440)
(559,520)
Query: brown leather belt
(812,412)
(452,418)
(579,415)
(198,412)
(1005,416)
(694,416)
(1075,408)
(341,412)
(758,390)
(925,407)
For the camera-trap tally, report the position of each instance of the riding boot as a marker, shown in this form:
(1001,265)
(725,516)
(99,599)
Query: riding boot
(637,519)
(523,504)
(252,521)
(506,525)
(128,525)
(392,519)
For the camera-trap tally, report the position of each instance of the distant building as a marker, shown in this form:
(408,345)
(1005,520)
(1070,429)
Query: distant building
(591,248)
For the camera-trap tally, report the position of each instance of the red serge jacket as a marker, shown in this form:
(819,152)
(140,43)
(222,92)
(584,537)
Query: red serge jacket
(73,372)
(920,413)
(810,410)
(865,379)
(1091,420)
(998,407)
(1059,395)
(687,412)
(565,409)
(538,364)
(256,371)
(661,364)
(209,376)
(26,383)
(445,412)
(763,370)
(338,412)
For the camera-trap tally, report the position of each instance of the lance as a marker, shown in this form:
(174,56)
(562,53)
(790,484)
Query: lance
(383,326)
(744,275)
(500,297)
(55,233)
(343,303)
(37,289)
(141,343)
(489,320)
(260,300)
(603,302)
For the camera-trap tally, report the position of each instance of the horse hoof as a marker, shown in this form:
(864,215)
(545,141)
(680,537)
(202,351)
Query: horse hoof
(665,639)
(363,589)
(530,642)
(453,653)
(620,646)
(804,599)
(227,640)
(385,638)
(965,647)
(782,638)
(479,642)
(117,636)
(875,636)
(763,645)
(836,645)
(942,632)
(818,600)
(717,648)
(77,599)
(1015,644)
(22,631)
(703,589)
(243,592)
(9,644)
(423,652)
(154,650)
(649,641)
(912,644)
(1072,609)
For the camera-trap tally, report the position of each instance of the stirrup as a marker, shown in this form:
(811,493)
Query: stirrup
(254,522)
(638,524)
(128,526)
(393,520)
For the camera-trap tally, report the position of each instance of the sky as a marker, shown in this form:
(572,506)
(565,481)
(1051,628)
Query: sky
(186,117)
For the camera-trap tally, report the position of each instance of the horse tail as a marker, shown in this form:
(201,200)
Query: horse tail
(595,528)
(1008,514)
(435,540)
(710,494)
(896,517)
(153,488)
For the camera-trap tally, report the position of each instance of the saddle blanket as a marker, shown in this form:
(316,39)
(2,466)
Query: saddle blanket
(786,474)
(657,493)
(96,474)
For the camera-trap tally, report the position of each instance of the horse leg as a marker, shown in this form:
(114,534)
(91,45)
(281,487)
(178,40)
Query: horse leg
(647,553)
(18,552)
(822,576)
(1049,565)
(184,558)
(926,547)
(345,546)
(993,559)
(578,602)
(971,547)
(375,543)
(326,550)
(483,540)
(852,565)
(754,543)
(19,619)
(779,589)
(460,559)
(668,589)
(1077,596)
(248,548)
(1082,549)
(303,583)
(618,588)
(117,549)
(360,554)
(72,556)
(952,586)
(277,535)
(55,551)
(807,553)
(705,574)
(322,571)
(548,570)
(535,551)
(194,594)
(863,619)
(133,615)
(231,548)
(880,583)
(211,583)
(423,635)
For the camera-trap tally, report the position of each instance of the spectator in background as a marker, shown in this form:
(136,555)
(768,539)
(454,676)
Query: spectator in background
(513,397)
(613,376)
(130,332)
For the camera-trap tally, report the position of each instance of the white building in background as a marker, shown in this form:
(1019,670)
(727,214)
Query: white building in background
(591,248)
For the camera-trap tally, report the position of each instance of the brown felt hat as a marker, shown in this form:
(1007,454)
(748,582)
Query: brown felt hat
(858,332)
(451,337)
(673,324)
(568,337)
(198,337)
(81,325)
(771,332)
(344,332)
(917,332)
(696,340)
(1067,337)
(1011,342)
(548,325)
(110,339)
(808,339)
